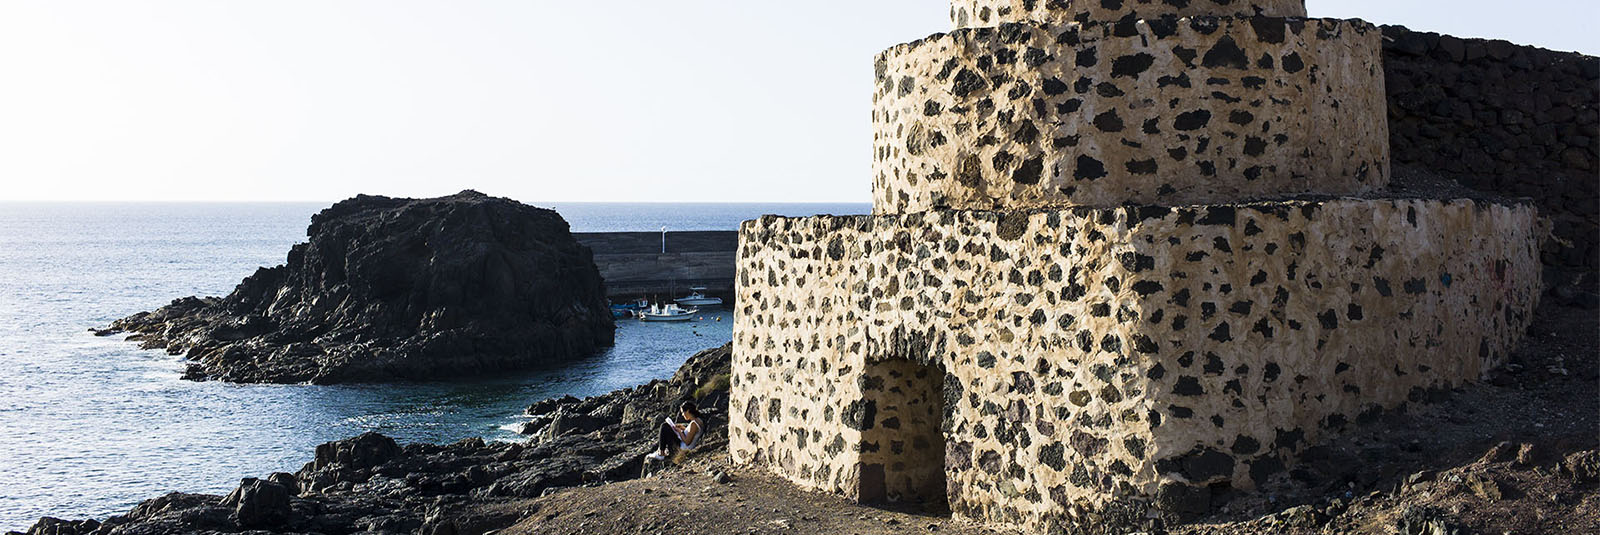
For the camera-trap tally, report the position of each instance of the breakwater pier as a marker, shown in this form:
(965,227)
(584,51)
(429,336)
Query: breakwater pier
(644,264)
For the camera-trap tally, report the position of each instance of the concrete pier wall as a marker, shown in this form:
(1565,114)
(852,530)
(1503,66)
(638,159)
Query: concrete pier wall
(633,265)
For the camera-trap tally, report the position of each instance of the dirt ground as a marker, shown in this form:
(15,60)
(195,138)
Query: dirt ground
(691,500)
(1515,454)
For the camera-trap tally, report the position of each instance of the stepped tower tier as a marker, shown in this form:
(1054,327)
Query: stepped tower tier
(979,13)
(1165,111)
(1089,367)
(1124,253)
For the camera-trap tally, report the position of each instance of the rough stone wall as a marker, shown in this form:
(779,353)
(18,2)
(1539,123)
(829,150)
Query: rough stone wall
(978,13)
(1171,111)
(1101,359)
(798,357)
(1124,331)
(1511,119)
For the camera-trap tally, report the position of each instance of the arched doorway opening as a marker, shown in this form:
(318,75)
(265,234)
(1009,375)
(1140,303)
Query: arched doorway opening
(902,439)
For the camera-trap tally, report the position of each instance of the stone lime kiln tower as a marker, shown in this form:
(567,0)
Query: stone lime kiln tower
(1124,253)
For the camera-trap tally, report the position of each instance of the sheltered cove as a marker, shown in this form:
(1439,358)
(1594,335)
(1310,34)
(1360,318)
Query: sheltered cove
(1036,344)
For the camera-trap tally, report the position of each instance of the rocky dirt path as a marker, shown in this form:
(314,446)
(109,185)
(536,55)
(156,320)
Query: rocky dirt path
(706,495)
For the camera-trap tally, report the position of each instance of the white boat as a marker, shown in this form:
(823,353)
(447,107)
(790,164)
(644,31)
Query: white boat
(667,312)
(698,298)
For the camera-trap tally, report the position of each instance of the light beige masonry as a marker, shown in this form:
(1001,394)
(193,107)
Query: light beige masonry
(1099,360)
(980,13)
(1170,112)
(1125,252)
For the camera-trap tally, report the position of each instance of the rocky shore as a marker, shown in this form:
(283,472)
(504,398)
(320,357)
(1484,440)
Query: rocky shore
(371,484)
(391,288)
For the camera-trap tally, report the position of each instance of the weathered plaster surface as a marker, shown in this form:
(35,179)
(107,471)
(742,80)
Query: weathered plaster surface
(978,13)
(1175,111)
(1107,359)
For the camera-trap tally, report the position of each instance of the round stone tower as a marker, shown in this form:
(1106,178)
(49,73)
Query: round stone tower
(1099,103)
(1123,253)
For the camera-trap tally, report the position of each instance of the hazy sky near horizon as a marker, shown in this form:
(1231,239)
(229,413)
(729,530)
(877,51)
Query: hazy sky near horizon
(317,100)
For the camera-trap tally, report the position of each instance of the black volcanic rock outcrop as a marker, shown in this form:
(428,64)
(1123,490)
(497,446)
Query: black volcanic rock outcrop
(390,288)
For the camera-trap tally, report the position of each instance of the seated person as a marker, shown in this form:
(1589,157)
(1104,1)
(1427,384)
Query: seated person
(676,436)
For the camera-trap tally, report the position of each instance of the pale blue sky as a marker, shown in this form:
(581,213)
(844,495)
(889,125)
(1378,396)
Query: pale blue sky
(541,101)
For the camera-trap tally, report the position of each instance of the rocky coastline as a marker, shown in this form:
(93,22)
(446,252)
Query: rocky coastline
(397,289)
(370,483)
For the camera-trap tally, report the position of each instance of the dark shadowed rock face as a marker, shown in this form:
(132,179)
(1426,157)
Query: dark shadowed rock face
(1515,120)
(258,503)
(389,289)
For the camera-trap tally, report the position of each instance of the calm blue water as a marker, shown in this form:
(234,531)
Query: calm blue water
(91,426)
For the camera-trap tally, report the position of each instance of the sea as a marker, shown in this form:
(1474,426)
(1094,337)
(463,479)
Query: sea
(90,426)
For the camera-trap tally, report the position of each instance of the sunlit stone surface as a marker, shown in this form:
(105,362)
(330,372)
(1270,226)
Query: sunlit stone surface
(1115,264)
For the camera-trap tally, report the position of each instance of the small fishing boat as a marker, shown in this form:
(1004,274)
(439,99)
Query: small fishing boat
(667,312)
(629,309)
(698,298)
